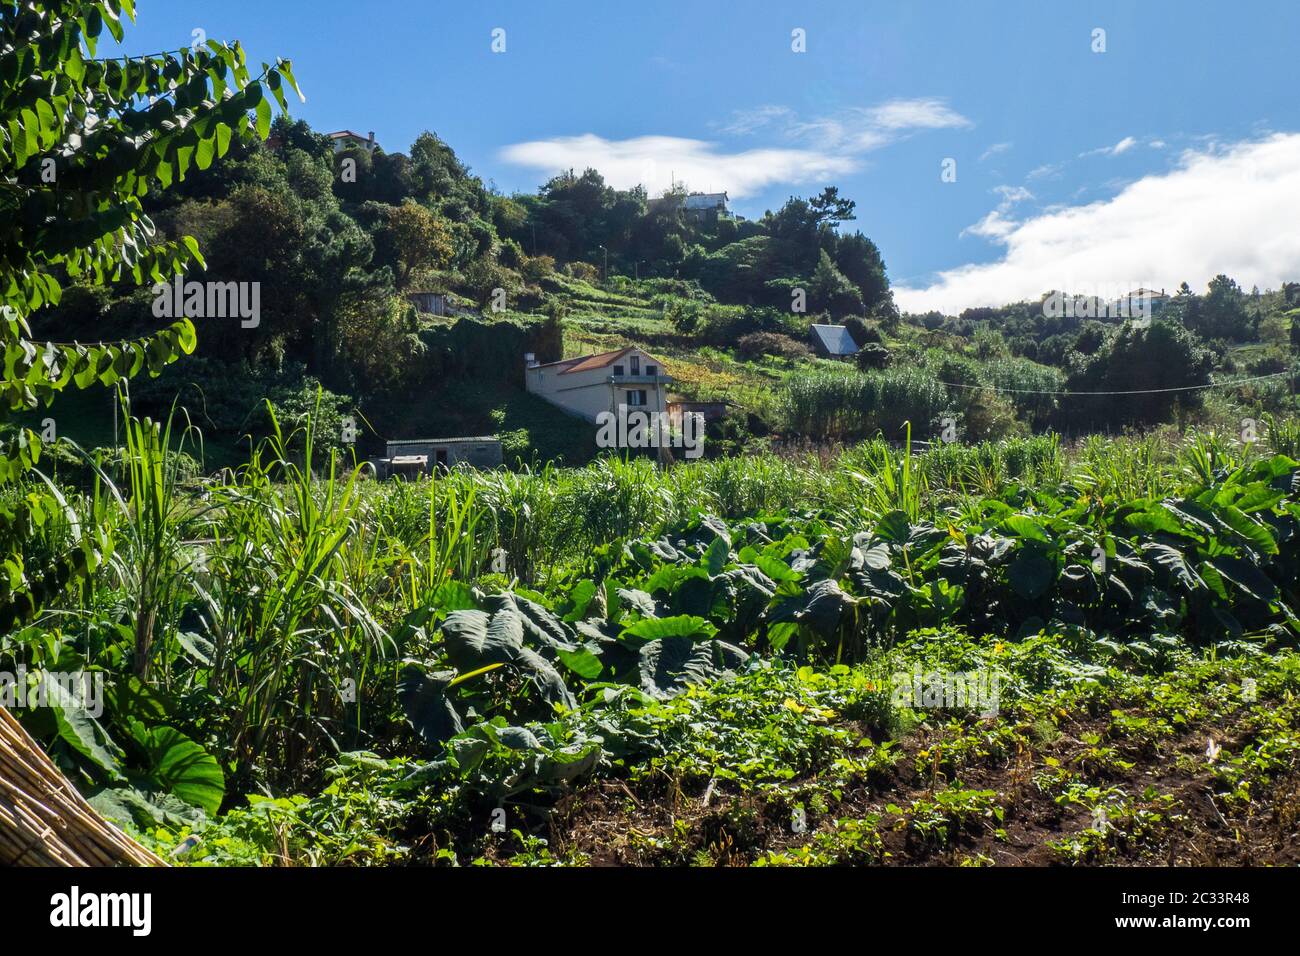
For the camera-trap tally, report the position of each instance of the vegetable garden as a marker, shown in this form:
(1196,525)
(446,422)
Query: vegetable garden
(304,666)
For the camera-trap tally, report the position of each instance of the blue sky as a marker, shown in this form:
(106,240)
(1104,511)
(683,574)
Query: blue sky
(1171,156)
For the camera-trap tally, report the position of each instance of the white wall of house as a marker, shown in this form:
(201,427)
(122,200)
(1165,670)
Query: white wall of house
(349,141)
(589,392)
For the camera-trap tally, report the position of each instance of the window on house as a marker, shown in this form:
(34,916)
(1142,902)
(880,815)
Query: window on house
(636,364)
(652,369)
(635,396)
(618,370)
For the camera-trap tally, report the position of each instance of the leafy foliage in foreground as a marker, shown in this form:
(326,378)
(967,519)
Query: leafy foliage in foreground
(826,747)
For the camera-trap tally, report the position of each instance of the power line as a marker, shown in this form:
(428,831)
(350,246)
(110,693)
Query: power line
(1140,391)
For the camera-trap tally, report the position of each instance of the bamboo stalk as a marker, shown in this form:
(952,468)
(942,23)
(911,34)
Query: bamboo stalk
(45,821)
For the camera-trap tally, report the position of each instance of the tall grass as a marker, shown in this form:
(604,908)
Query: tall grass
(290,636)
(1126,467)
(840,403)
(889,480)
(1283,435)
(988,467)
(158,554)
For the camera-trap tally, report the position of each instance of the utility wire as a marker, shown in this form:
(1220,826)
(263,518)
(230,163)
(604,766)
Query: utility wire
(1141,391)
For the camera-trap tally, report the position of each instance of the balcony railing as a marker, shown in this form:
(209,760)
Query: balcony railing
(640,379)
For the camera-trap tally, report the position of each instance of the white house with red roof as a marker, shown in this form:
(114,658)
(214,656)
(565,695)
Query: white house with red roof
(587,385)
(346,139)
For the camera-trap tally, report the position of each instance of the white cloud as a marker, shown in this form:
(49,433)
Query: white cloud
(655,161)
(744,122)
(852,131)
(1046,171)
(917,114)
(994,150)
(1223,209)
(863,129)
(813,149)
(997,223)
(1123,146)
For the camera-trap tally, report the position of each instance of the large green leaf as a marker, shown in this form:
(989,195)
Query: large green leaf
(1031,573)
(181,767)
(145,807)
(474,639)
(1023,526)
(1173,562)
(681,625)
(1246,576)
(424,700)
(824,607)
(81,731)
(582,662)
(1249,528)
(633,600)
(717,556)
(670,664)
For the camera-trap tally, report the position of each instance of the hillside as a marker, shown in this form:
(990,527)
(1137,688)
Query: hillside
(337,242)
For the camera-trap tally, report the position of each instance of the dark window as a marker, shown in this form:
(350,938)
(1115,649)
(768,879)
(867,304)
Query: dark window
(618,370)
(652,369)
(636,396)
(636,364)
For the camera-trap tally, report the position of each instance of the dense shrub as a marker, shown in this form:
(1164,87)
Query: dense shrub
(873,355)
(583,270)
(1143,363)
(723,326)
(1023,384)
(758,344)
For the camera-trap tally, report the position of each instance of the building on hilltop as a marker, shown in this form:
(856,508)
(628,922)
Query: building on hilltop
(587,385)
(704,203)
(346,139)
(1141,302)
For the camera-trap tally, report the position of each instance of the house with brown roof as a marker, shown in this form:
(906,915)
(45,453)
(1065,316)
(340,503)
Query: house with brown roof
(587,385)
(346,139)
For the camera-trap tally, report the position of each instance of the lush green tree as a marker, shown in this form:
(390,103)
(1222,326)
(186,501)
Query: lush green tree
(1221,312)
(738,272)
(296,134)
(419,238)
(830,208)
(873,355)
(509,216)
(831,290)
(440,180)
(858,258)
(795,230)
(1154,369)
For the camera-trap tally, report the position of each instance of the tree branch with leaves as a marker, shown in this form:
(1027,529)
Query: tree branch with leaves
(82,140)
